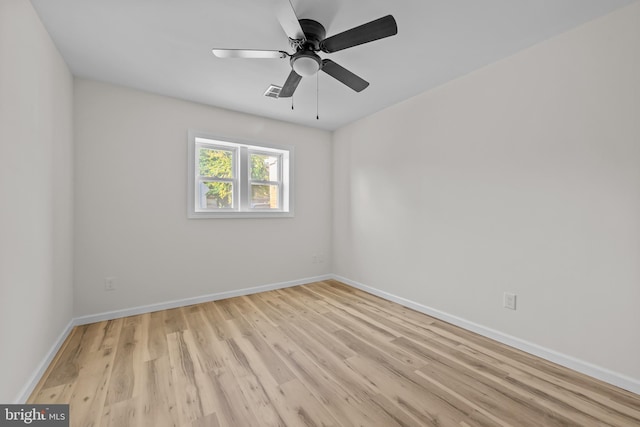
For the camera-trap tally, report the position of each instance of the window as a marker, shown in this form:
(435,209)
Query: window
(236,180)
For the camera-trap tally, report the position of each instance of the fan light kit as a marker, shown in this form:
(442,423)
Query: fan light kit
(307,37)
(306,64)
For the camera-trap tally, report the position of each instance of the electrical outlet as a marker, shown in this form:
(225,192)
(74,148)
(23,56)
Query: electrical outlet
(509,301)
(110,284)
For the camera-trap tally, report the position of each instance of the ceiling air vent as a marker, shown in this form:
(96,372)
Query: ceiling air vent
(273,91)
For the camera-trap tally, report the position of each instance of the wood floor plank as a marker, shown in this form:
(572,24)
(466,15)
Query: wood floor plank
(123,413)
(266,304)
(347,406)
(293,402)
(382,343)
(322,354)
(65,365)
(234,407)
(90,393)
(429,408)
(157,402)
(206,351)
(322,333)
(330,366)
(57,394)
(301,407)
(498,401)
(121,384)
(254,391)
(156,336)
(208,421)
(188,399)
(274,365)
(173,320)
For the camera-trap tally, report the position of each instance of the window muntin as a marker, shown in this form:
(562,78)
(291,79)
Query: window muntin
(230,179)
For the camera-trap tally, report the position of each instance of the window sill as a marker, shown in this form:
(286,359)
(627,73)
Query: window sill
(238,215)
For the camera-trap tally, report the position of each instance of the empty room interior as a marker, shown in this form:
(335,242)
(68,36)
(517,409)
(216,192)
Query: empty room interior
(341,213)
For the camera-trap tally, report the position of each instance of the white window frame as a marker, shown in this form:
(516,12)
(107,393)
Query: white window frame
(241,179)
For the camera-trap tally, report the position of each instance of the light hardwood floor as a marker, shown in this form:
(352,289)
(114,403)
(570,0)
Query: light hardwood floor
(322,354)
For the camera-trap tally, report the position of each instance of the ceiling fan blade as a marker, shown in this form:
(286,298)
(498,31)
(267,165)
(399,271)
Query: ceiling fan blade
(365,33)
(343,75)
(288,19)
(248,53)
(290,85)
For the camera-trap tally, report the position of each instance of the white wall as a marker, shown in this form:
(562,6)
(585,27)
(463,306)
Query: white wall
(36,198)
(131,204)
(524,177)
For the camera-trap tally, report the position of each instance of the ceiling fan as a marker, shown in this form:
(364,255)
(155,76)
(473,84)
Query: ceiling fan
(307,37)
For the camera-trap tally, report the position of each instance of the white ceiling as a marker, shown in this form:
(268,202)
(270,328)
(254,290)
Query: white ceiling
(164,47)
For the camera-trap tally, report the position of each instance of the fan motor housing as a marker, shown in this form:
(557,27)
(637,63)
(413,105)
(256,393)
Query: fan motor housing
(314,33)
(305,62)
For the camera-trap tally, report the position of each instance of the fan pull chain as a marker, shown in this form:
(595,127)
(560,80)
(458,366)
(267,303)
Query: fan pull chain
(292,102)
(317,94)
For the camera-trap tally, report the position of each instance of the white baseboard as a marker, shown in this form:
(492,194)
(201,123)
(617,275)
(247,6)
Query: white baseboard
(606,375)
(44,364)
(109,315)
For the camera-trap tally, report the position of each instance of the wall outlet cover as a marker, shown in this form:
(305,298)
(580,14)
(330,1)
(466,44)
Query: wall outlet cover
(509,301)
(109,283)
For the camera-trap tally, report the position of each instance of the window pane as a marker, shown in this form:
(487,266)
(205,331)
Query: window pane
(216,163)
(216,195)
(264,196)
(264,167)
